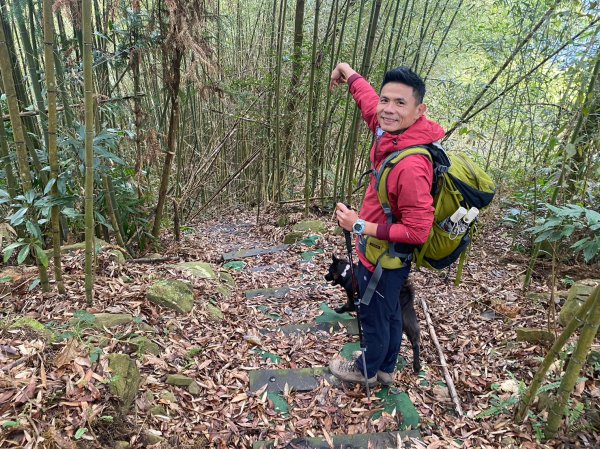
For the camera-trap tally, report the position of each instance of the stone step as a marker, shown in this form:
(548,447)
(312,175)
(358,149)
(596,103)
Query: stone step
(301,379)
(383,440)
(278,293)
(243,253)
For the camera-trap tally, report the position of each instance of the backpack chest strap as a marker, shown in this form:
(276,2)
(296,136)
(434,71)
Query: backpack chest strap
(381,176)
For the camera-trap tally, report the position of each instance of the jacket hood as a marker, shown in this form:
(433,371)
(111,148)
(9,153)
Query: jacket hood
(422,132)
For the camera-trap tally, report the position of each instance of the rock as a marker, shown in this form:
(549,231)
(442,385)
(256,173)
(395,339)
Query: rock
(194,389)
(310,226)
(110,320)
(227,279)
(283,220)
(151,436)
(175,295)
(532,335)
(125,379)
(578,294)
(143,345)
(158,410)
(117,256)
(202,270)
(26,322)
(122,445)
(544,297)
(179,380)
(227,284)
(100,341)
(168,397)
(214,313)
(293,237)
(224,291)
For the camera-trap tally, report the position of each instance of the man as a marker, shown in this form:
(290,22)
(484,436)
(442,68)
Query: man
(396,116)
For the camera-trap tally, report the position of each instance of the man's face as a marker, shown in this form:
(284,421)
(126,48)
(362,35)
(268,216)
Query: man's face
(397,108)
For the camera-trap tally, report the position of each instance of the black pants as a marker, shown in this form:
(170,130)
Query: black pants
(381,320)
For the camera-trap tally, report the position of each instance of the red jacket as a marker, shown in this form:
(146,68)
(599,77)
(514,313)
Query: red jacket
(408,184)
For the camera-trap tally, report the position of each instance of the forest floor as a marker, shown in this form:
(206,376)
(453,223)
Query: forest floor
(55,394)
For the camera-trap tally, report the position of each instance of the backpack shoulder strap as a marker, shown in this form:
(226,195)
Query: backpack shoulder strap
(386,167)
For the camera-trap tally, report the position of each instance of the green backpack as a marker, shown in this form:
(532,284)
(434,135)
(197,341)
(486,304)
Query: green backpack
(458,182)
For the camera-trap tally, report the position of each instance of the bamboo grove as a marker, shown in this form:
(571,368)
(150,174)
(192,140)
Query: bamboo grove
(123,120)
(197,106)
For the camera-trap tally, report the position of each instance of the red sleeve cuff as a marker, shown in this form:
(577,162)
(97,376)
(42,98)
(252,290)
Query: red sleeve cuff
(353,78)
(383,231)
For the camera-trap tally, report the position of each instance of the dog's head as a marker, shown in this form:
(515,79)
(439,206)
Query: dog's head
(339,271)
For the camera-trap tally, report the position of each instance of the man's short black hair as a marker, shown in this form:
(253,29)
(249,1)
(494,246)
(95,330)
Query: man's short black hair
(406,76)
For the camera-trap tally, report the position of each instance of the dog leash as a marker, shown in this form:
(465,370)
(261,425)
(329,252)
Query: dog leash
(356,299)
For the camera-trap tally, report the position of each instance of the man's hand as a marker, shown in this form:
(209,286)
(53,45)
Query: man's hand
(340,74)
(346,217)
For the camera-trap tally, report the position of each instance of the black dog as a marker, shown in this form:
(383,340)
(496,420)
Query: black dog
(339,274)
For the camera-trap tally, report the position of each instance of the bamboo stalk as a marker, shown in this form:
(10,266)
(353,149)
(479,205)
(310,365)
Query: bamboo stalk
(309,117)
(18,132)
(575,322)
(51,138)
(578,358)
(86,14)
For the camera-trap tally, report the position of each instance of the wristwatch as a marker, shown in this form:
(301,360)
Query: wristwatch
(358,227)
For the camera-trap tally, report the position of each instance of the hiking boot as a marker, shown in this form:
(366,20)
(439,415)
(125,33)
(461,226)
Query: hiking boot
(346,371)
(386,379)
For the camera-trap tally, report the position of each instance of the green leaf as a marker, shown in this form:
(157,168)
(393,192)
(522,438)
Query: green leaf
(34,284)
(41,255)
(49,185)
(82,315)
(567,231)
(9,424)
(5,279)
(95,354)
(33,229)
(30,196)
(80,432)
(591,250)
(23,254)
(71,213)
(592,216)
(17,218)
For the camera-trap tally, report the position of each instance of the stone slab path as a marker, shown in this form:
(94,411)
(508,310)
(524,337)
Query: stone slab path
(276,383)
(382,440)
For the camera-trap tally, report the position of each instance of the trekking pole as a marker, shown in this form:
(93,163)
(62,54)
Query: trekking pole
(348,237)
